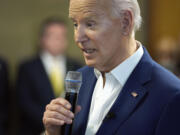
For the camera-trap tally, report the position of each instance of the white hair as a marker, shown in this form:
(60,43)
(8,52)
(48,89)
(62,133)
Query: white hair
(119,6)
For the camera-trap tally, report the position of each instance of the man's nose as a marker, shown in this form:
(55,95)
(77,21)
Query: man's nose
(80,35)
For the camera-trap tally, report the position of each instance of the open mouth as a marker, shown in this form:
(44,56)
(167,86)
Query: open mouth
(89,51)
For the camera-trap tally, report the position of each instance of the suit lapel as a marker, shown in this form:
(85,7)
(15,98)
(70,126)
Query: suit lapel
(84,100)
(130,97)
(43,80)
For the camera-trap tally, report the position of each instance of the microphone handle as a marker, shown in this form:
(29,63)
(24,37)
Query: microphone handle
(72,98)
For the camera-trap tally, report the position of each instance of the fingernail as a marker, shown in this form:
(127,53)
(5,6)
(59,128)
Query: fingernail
(71,115)
(61,122)
(68,106)
(69,121)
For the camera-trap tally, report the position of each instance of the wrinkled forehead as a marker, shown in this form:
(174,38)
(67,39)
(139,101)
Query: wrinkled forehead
(87,7)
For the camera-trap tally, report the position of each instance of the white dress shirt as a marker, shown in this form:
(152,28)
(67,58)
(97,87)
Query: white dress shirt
(104,97)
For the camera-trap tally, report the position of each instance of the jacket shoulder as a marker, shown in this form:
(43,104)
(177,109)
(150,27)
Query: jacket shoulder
(29,62)
(163,81)
(164,76)
(29,65)
(86,70)
(3,64)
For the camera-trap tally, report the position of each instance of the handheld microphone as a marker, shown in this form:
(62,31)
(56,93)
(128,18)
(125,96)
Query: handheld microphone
(73,83)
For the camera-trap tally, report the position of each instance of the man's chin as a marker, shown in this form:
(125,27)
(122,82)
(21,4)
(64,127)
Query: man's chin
(90,63)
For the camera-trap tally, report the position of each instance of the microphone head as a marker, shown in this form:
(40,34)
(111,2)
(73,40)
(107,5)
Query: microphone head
(73,81)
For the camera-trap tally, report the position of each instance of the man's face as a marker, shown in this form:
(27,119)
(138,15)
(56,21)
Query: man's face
(54,39)
(96,33)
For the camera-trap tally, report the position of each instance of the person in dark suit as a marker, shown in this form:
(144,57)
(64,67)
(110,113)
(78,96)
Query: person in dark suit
(124,91)
(40,79)
(3,97)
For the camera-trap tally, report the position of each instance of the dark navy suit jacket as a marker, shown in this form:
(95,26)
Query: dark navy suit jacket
(155,111)
(34,92)
(4,94)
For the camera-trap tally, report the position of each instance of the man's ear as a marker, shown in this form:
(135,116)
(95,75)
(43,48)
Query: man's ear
(127,23)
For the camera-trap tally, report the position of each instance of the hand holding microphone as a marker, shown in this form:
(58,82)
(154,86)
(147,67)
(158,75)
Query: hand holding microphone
(61,111)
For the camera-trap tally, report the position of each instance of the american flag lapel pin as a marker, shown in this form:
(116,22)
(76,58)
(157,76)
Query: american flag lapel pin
(134,94)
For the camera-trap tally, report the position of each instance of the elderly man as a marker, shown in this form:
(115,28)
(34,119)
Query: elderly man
(124,92)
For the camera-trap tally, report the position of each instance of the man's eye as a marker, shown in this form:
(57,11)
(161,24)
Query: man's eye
(90,24)
(75,25)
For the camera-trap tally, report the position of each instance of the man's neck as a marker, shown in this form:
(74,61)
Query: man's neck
(130,50)
(130,46)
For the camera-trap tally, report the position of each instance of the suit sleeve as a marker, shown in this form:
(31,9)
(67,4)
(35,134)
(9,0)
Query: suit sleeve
(169,123)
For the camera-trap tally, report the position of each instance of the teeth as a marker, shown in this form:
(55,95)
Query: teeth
(89,50)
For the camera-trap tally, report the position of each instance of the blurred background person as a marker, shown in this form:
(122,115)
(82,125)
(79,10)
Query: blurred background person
(4,100)
(166,54)
(41,78)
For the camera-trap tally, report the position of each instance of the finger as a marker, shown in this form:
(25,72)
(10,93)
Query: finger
(62,102)
(56,115)
(60,109)
(52,121)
